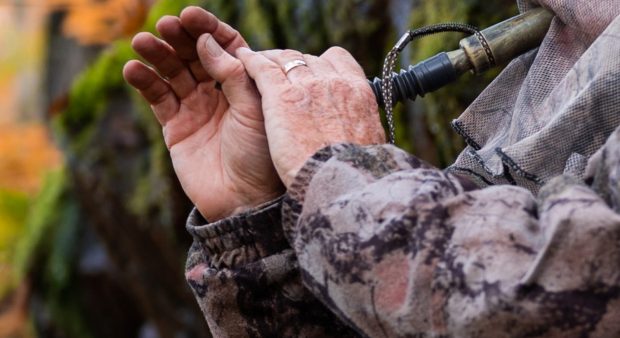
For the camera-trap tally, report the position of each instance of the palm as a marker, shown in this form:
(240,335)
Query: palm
(219,152)
(216,137)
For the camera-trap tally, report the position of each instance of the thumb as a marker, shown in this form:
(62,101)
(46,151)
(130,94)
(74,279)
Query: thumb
(268,75)
(229,71)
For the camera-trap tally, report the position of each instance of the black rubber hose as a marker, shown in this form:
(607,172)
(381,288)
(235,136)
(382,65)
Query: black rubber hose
(424,77)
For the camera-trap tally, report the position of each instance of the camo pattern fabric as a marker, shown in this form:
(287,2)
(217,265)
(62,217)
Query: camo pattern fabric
(246,279)
(552,108)
(392,247)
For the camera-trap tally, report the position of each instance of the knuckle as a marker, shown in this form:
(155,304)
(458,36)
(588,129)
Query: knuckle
(236,68)
(337,51)
(288,54)
(235,72)
(309,57)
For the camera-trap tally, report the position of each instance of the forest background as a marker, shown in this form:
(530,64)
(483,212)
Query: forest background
(92,240)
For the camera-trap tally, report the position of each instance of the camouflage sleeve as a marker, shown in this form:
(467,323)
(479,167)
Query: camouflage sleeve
(397,248)
(245,278)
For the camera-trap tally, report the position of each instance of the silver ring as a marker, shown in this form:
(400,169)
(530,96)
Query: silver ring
(292,64)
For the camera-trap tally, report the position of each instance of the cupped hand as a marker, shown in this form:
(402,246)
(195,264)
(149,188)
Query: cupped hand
(327,101)
(216,138)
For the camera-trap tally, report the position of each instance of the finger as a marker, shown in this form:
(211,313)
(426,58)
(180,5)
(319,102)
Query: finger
(198,21)
(267,74)
(343,62)
(167,63)
(153,88)
(171,30)
(229,71)
(283,57)
(320,67)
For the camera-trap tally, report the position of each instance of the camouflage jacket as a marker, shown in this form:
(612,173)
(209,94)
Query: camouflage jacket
(370,241)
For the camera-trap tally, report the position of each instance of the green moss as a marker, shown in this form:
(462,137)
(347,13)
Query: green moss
(13,213)
(47,249)
(89,95)
(42,217)
(60,267)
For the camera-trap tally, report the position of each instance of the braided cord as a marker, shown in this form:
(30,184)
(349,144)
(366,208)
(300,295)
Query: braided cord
(387,91)
(387,74)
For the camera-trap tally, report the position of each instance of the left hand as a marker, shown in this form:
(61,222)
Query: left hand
(216,138)
(328,101)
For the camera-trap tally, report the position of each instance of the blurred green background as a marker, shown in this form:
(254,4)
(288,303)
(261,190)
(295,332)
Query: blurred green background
(92,240)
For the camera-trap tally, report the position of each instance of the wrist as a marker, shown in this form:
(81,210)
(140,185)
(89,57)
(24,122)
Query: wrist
(229,207)
(288,167)
(289,177)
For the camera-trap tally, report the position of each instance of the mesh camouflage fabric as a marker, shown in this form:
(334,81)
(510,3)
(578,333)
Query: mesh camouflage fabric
(550,109)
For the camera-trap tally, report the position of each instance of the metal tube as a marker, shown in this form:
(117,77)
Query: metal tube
(506,40)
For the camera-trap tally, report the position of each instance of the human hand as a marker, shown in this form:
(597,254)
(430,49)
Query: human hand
(328,101)
(216,138)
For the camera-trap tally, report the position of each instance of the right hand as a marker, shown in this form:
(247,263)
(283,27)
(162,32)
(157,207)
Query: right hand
(216,138)
(325,102)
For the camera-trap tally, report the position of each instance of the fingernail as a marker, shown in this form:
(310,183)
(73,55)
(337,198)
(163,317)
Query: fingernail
(213,48)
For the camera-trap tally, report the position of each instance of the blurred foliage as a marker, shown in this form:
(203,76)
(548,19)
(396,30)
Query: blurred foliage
(13,213)
(101,22)
(119,183)
(26,155)
(48,250)
(41,221)
(78,127)
(89,95)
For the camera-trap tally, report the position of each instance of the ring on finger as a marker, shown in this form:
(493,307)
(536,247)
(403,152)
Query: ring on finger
(293,64)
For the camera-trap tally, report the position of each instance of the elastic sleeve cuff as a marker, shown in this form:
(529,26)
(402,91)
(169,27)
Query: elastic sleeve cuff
(239,239)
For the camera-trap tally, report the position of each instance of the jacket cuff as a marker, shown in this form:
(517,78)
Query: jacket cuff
(239,239)
(350,160)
